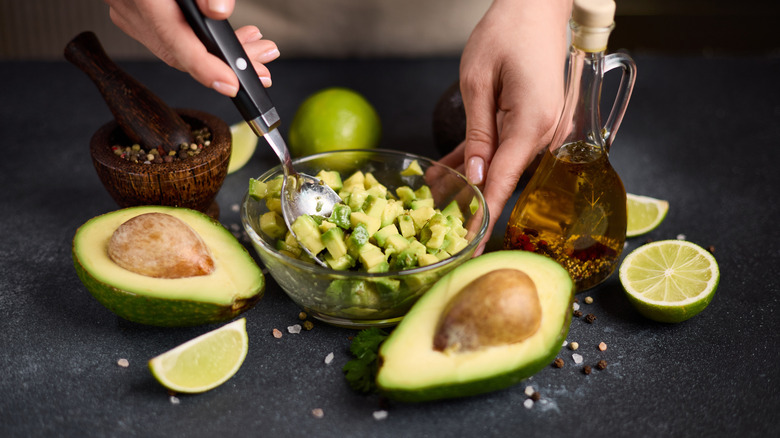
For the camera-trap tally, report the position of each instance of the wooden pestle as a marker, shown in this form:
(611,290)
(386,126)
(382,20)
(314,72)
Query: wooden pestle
(142,115)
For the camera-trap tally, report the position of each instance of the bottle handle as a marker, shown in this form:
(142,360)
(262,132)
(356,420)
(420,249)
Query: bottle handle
(627,80)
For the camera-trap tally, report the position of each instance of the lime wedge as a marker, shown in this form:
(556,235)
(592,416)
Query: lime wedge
(205,362)
(244,144)
(644,214)
(669,280)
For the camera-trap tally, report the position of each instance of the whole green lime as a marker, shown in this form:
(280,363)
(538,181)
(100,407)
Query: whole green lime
(332,119)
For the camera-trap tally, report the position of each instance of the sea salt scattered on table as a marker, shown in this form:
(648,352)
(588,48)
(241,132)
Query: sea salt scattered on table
(681,237)
(235,207)
(318,413)
(577,358)
(294,329)
(174,400)
(380,415)
(329,358)
(124,363)
(528,403)
(575,306)
(529,390)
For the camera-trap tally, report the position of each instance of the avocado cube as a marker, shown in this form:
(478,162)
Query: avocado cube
(412,169)
(420,203)
(424,192)
(396,243)
(406,259)
(272,224)
(473,205)
(355,181)
(392,210)
(273,204)
(284,247)
(373,185)
(340,264)
(421,216)
(406,225)
(372,223)
(436,239)
(307,231)
(406,195)
(330,178)
(383,266)
(326,225)
(454,243)
(333,239)
(257,189)
(356,239)
(340,216)
(453,210)
(374,206)
(274,187)
(371,255)
(356,199)
(427,259)
(385,232)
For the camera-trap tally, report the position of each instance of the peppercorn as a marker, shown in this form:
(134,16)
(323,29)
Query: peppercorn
(558,362)
(601,364)
(577,313)
(308,325)
(588,300)
(589,318)
(586,369)
(536,396)
(574,346)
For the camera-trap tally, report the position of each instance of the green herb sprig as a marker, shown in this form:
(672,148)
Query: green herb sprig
(361,371)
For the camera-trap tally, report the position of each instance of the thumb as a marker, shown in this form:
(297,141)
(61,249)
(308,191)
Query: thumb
(217,9)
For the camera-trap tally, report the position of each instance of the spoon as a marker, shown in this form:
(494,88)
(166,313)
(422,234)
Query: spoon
(301,193)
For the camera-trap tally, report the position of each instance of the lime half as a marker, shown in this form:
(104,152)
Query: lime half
(644,214)
(669,280)
(204,362)
(244,144)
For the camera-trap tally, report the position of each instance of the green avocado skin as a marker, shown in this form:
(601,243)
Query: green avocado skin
(160,311)
(468,389)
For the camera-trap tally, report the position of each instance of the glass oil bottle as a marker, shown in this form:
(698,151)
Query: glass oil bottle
(574,207)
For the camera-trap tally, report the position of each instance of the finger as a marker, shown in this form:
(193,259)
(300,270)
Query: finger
(217,9)
(481,136)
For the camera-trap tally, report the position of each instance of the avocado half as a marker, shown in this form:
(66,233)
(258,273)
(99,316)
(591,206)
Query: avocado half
(234,286)
(412,370)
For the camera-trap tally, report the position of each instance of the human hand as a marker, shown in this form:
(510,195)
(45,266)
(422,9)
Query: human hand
(161,27)
(511,79)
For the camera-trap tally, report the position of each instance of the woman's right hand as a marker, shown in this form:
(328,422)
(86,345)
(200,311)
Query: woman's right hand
(161,27)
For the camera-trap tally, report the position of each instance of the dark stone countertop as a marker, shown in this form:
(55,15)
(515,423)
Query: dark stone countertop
(701,132)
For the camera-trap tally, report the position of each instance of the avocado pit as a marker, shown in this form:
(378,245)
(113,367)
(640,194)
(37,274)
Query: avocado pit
(160,245)
(500,307)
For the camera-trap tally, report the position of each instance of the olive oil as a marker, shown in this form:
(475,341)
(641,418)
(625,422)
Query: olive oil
(574,211)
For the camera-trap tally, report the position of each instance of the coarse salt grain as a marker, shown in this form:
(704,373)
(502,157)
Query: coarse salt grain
(318,413)
(575,306)
(294,329)
(380,415)
(277,333)
(235,208)
(602,346)
(565,342)
(529,390)
(329,358)
(124,363)
(681,237)
(577,358)
(174,400)
(528,403)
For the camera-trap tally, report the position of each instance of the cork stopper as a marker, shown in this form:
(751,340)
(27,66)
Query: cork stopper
(592,21)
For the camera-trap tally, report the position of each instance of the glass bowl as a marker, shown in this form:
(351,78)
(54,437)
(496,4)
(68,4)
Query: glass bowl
(361,299)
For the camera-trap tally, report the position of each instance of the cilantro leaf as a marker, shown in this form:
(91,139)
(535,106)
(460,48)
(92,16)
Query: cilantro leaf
(361,371)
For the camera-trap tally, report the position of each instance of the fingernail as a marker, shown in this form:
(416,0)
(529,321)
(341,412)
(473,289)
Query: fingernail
(226,89)
(475,170)
(266,81)
(220,6)
(270,55)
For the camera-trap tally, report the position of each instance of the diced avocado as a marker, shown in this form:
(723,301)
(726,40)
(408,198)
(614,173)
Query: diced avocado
(424,192)
(356,199)
(405,259)
(371,255)
(406,225)
(385,232)
(473,205)
(340,216)
(356,239)
(292,244)
(257,189)
(274,204)
(392,210)
(420,203)
(372,223)
(333,239)
(283,246)
(355,181)
(331,178)
(341,264)
(413,169)
(427,259)
(370,182)
(272,224)
(453,210)
(441,255)
(382,266)
(436,239)
(274,187)
(454,243)
(374,206)
(307,231)
(421,216)
(395,243)
(414,368)
(359,293)
(406,195)
(379,191)
(325,225)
